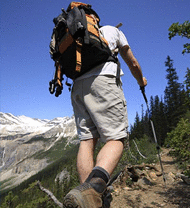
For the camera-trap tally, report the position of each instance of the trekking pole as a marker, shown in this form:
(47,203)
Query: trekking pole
(153,130)
(119,25)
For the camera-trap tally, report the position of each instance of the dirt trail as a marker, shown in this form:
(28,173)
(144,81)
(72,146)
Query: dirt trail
(175,195)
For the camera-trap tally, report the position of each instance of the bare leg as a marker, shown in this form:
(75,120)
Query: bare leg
(109,155)
(85,161)
(107,158)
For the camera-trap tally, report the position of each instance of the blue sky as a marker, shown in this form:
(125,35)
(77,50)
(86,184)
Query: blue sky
(26,67)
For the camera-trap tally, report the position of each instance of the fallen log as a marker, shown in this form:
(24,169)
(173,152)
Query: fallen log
(143,166)
(50,194)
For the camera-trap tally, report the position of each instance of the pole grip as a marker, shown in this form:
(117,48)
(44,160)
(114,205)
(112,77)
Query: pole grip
(119,25)
(143,92)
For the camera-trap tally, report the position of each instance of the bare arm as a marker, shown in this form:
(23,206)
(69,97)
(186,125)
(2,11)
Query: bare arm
(133,65)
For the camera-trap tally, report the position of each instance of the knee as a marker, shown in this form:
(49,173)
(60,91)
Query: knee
(122,140)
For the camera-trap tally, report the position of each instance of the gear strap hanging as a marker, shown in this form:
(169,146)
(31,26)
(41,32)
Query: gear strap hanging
(78,54)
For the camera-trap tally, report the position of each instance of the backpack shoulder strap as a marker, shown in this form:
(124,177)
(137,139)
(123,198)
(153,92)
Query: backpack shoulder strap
(76,22)
(76,4)
(87,8)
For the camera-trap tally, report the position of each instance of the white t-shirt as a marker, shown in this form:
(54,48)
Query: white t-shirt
(116,39)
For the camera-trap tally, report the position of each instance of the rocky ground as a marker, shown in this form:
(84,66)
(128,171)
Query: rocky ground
(149,191)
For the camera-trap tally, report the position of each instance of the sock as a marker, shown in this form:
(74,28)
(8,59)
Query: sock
(99,172)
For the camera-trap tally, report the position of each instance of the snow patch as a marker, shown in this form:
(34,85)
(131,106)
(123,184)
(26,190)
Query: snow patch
(12,125)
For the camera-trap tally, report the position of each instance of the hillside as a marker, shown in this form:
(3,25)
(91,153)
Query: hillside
(28,145)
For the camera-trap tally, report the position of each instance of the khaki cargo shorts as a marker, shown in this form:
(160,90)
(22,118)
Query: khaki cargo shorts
(100,108)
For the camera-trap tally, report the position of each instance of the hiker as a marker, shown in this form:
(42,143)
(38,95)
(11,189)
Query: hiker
(100,113)
(87,53)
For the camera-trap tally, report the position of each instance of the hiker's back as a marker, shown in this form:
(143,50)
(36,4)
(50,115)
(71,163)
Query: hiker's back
(76,41)
(77,44)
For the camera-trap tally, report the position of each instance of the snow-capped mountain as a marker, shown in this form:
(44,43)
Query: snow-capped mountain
(8,118)
(21,138)
(12,125)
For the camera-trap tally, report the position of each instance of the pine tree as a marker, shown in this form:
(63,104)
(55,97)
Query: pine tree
(163,123)
(187,87)
(146,124)
(10,201)
(137,128)
(173,95)
(157,112)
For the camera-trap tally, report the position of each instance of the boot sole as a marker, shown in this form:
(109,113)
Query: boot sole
(74,200)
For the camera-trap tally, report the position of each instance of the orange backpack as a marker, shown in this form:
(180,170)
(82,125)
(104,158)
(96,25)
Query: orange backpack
(76,45)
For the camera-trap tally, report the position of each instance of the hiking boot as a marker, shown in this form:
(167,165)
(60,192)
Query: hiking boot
(87,195)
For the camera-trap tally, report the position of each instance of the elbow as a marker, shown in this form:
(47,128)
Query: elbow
(134,64)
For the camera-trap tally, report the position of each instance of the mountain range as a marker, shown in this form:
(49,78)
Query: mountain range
(28,145)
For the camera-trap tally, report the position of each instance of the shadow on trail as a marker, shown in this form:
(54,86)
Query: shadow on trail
(133,203)
(165,162)
(179,195)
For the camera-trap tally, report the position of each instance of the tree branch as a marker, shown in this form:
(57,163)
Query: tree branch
(139,151)
(50,194)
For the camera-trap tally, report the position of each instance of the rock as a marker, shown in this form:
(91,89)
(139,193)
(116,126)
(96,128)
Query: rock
(63,176)
(116,192)
(153,176)
(185,179)
(159,174)
(127,188)
(144,181)
(170,177)
(140,172)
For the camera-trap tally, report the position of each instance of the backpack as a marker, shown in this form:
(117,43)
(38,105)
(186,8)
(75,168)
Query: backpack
(76,44)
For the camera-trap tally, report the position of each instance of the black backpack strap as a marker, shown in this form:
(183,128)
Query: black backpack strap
(88,10)
(114,59)
(118,81)
(76,22)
